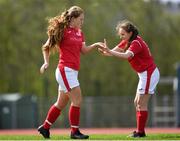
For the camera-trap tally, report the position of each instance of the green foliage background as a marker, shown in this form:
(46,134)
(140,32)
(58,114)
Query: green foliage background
(23,31)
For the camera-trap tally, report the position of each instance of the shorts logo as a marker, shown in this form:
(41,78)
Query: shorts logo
(141,90)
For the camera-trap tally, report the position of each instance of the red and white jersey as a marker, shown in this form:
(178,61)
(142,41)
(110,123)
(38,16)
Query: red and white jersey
(70,48)
(141,59)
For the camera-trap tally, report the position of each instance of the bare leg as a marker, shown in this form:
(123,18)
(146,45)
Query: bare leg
(62,100)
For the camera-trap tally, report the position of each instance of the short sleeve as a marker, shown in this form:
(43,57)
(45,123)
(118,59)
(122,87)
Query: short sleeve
(122,44)
(135,47)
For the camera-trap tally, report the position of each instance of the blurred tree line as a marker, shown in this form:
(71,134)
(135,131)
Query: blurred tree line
(23,31)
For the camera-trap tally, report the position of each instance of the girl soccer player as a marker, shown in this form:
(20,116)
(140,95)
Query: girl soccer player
(64,32)
(134,49)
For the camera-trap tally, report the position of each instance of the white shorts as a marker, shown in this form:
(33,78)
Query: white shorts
(67,78)
(148,82)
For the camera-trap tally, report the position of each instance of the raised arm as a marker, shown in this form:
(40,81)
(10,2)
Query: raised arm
(86,49)
(105,53)
(117,52)
(121,55)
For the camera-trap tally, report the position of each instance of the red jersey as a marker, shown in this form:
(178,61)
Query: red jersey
(70,48)
(142,59)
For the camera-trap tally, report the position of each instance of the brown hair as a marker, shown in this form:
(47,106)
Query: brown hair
(128,27)
(57,25)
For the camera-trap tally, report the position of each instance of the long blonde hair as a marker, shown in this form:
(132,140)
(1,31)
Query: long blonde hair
(57,25)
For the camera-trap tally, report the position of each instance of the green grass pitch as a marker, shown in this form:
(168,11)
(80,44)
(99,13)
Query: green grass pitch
(94,137)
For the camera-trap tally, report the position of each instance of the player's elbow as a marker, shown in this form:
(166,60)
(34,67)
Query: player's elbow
(83,52)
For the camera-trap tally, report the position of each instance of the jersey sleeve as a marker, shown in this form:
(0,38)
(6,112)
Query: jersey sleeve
(135,47)
(122,44)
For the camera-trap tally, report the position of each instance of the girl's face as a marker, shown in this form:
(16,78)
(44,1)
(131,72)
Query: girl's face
(124,35)
(77,22)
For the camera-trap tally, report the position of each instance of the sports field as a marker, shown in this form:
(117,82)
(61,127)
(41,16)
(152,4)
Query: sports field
(94,137)
(107,134)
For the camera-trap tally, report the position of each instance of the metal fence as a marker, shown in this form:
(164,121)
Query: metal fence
(116,111)
(96,111)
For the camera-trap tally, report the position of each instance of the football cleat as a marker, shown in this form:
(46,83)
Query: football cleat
(78,135)
(44,132)
(137,134)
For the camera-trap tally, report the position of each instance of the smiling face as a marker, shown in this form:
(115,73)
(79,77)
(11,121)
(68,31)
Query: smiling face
(77,22)
(124,35)
(127,30)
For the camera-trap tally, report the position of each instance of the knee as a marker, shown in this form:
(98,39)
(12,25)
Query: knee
(61,104)
(139,107)
(77,102)
(76,97)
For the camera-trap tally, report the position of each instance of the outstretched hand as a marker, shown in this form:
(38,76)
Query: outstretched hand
(103,49)
(99,44)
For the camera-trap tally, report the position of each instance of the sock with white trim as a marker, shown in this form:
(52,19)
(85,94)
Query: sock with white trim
(74,115)
(52,115)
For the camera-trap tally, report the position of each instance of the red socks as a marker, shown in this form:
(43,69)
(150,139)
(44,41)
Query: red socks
(54,112)
(52,115)
(74,115)
(141,117)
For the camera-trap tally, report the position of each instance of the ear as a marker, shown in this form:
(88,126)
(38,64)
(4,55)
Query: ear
(72,19)
(131,33)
